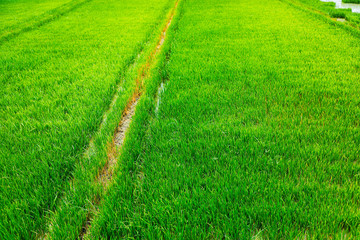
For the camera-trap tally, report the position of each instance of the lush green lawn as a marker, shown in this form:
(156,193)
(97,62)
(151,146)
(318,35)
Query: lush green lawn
(257,132)
(56,83)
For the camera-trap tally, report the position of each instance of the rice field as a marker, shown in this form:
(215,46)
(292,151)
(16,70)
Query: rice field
(179,119)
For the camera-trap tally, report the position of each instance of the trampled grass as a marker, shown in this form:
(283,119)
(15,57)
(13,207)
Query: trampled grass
(57,81)
(257,131)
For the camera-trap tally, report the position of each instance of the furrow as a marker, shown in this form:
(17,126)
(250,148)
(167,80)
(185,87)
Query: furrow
(106,174)
(42,20)
(91,149)
(129,111)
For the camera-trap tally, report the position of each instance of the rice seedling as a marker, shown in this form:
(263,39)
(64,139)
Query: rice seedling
(22,16)
(351,1)
(256,136)
(246,123)
(16,12)
(329,9)
(57,82)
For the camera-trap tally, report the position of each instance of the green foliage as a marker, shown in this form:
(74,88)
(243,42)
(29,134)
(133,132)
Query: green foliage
(80,198)
(351,1)
(329,8)
(337,14)
(20,16)
(15,13)
(256,135)
(56,83)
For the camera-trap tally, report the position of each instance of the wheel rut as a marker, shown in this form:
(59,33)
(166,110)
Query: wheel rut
(45,18)
(106,173)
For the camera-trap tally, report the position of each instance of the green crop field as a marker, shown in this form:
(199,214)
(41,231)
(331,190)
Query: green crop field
(351,1)
(238,119)
(57,81)
(20,11)
(328,9)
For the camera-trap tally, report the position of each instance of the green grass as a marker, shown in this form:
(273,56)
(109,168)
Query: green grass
(351,1)
(85,192)
(257,131)
(15,12)
(329,9)
(57,81)
(256,135)
(21,16)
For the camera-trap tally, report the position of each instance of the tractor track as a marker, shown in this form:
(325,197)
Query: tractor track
(106,173)
(45,18)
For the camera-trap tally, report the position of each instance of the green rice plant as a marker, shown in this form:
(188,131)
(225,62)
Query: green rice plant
(57,82)
(22,16)
(135,143)
(81,198)
(16,12)
(256,135)
(337,14)
(351,1)
(329,9)
(257,132)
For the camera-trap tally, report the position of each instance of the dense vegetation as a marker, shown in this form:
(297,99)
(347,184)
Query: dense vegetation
(255,134)
(22,16)
(57,81)
(329,9)
(351,1)
(20,11)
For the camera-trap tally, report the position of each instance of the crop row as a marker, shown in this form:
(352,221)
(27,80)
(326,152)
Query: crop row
(57,82)
(256,133)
